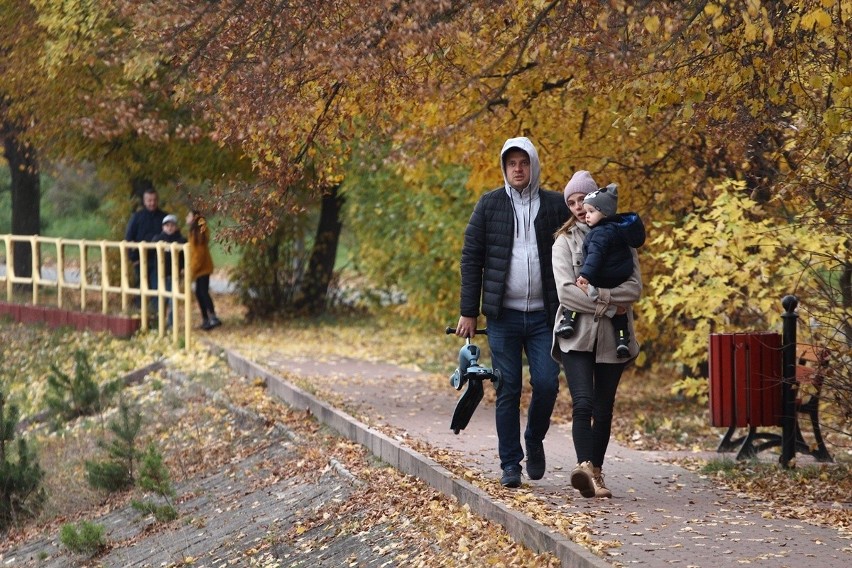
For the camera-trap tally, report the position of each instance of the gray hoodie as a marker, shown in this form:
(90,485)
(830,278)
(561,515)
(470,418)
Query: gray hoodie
(523,283)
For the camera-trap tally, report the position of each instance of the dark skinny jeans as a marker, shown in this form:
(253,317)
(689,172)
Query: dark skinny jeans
(202,294)
(592,387)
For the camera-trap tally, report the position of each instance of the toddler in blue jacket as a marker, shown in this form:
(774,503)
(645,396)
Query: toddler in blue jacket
(607,256)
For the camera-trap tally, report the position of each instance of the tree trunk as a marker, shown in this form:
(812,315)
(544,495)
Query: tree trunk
(26,195)
(321,264)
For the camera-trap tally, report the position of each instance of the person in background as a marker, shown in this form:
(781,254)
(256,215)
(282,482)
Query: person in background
(506,265)
(170,234)
(145,224)
(201,267)
(592,367)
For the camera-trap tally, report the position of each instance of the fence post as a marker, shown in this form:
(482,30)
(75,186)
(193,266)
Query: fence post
(104,279)
(84,275)
(36,266)
(10,265)
(60,273)
(125,281)
(187,288)
(788,393)
(144,298)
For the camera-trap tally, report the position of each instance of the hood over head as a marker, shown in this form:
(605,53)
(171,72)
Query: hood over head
(522,143)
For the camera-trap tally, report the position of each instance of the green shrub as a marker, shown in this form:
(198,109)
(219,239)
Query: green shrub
(268,277)
(111,476)
(84,538)
(162,513)
(154,477)
(20,479)
(69,397)
(117,472)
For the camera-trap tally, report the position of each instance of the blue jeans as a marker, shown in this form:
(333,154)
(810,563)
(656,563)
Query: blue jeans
(509,337)
(592,387)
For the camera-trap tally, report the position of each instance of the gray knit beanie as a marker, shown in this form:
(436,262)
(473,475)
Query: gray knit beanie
(604,200)
(580,182)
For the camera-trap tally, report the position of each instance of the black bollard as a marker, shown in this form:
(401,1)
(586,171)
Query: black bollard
(788,392)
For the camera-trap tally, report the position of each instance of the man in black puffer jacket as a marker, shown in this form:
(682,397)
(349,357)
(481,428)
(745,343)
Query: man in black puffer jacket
(144,225)
(506,264)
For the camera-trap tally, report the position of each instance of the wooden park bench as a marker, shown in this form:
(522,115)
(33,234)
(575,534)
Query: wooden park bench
(811,364)
(745,386)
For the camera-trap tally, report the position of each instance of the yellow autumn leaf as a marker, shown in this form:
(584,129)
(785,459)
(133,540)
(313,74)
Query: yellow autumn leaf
(652,23)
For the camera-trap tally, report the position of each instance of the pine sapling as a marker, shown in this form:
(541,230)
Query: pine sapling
(118,471)
(154,477)
(20,480)
(69,397)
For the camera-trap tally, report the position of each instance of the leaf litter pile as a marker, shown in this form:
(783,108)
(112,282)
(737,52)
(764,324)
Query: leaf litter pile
(647,417)
(195,411)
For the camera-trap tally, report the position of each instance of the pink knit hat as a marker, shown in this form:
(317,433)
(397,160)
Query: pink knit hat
(580,182)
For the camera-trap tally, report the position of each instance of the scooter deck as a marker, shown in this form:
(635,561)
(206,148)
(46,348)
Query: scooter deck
(466,405)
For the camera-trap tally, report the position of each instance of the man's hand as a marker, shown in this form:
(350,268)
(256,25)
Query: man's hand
(466,327)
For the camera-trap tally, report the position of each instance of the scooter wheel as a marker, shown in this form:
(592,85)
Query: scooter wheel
(498,380)
(457,380)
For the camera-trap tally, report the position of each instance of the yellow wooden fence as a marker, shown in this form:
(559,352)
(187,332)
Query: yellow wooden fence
(95,264)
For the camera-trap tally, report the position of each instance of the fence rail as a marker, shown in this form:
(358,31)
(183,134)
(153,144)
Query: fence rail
(104,269)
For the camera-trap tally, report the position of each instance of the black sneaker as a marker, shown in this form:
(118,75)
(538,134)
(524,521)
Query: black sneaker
(535,460)
(214,322)
(566,326)
(565,330)
(511,476)
(622,339)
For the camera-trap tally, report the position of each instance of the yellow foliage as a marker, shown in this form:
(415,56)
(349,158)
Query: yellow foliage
(729,263)
(652,23)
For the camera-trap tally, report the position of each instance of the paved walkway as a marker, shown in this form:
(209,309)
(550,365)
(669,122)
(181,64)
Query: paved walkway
(661,515)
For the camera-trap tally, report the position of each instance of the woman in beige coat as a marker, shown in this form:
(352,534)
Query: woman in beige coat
(589,355)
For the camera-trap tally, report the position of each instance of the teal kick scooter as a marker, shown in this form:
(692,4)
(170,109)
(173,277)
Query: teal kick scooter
(472,373)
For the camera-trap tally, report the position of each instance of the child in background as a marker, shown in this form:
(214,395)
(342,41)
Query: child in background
(201,267)
(170,234)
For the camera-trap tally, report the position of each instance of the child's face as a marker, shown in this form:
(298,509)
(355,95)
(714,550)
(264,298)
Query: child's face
(593,216)
(169,228)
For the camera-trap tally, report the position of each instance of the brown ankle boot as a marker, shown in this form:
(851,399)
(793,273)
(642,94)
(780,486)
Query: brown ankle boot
(598,482)
(582,479)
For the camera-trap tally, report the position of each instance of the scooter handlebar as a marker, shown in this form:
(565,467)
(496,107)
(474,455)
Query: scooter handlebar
(451,330)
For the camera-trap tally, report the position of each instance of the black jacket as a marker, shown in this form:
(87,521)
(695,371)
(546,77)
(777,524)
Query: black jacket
(175,237)
(143,226)
(487,251)
(607,258)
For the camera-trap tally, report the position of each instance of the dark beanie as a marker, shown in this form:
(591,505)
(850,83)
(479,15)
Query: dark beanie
(604,200)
